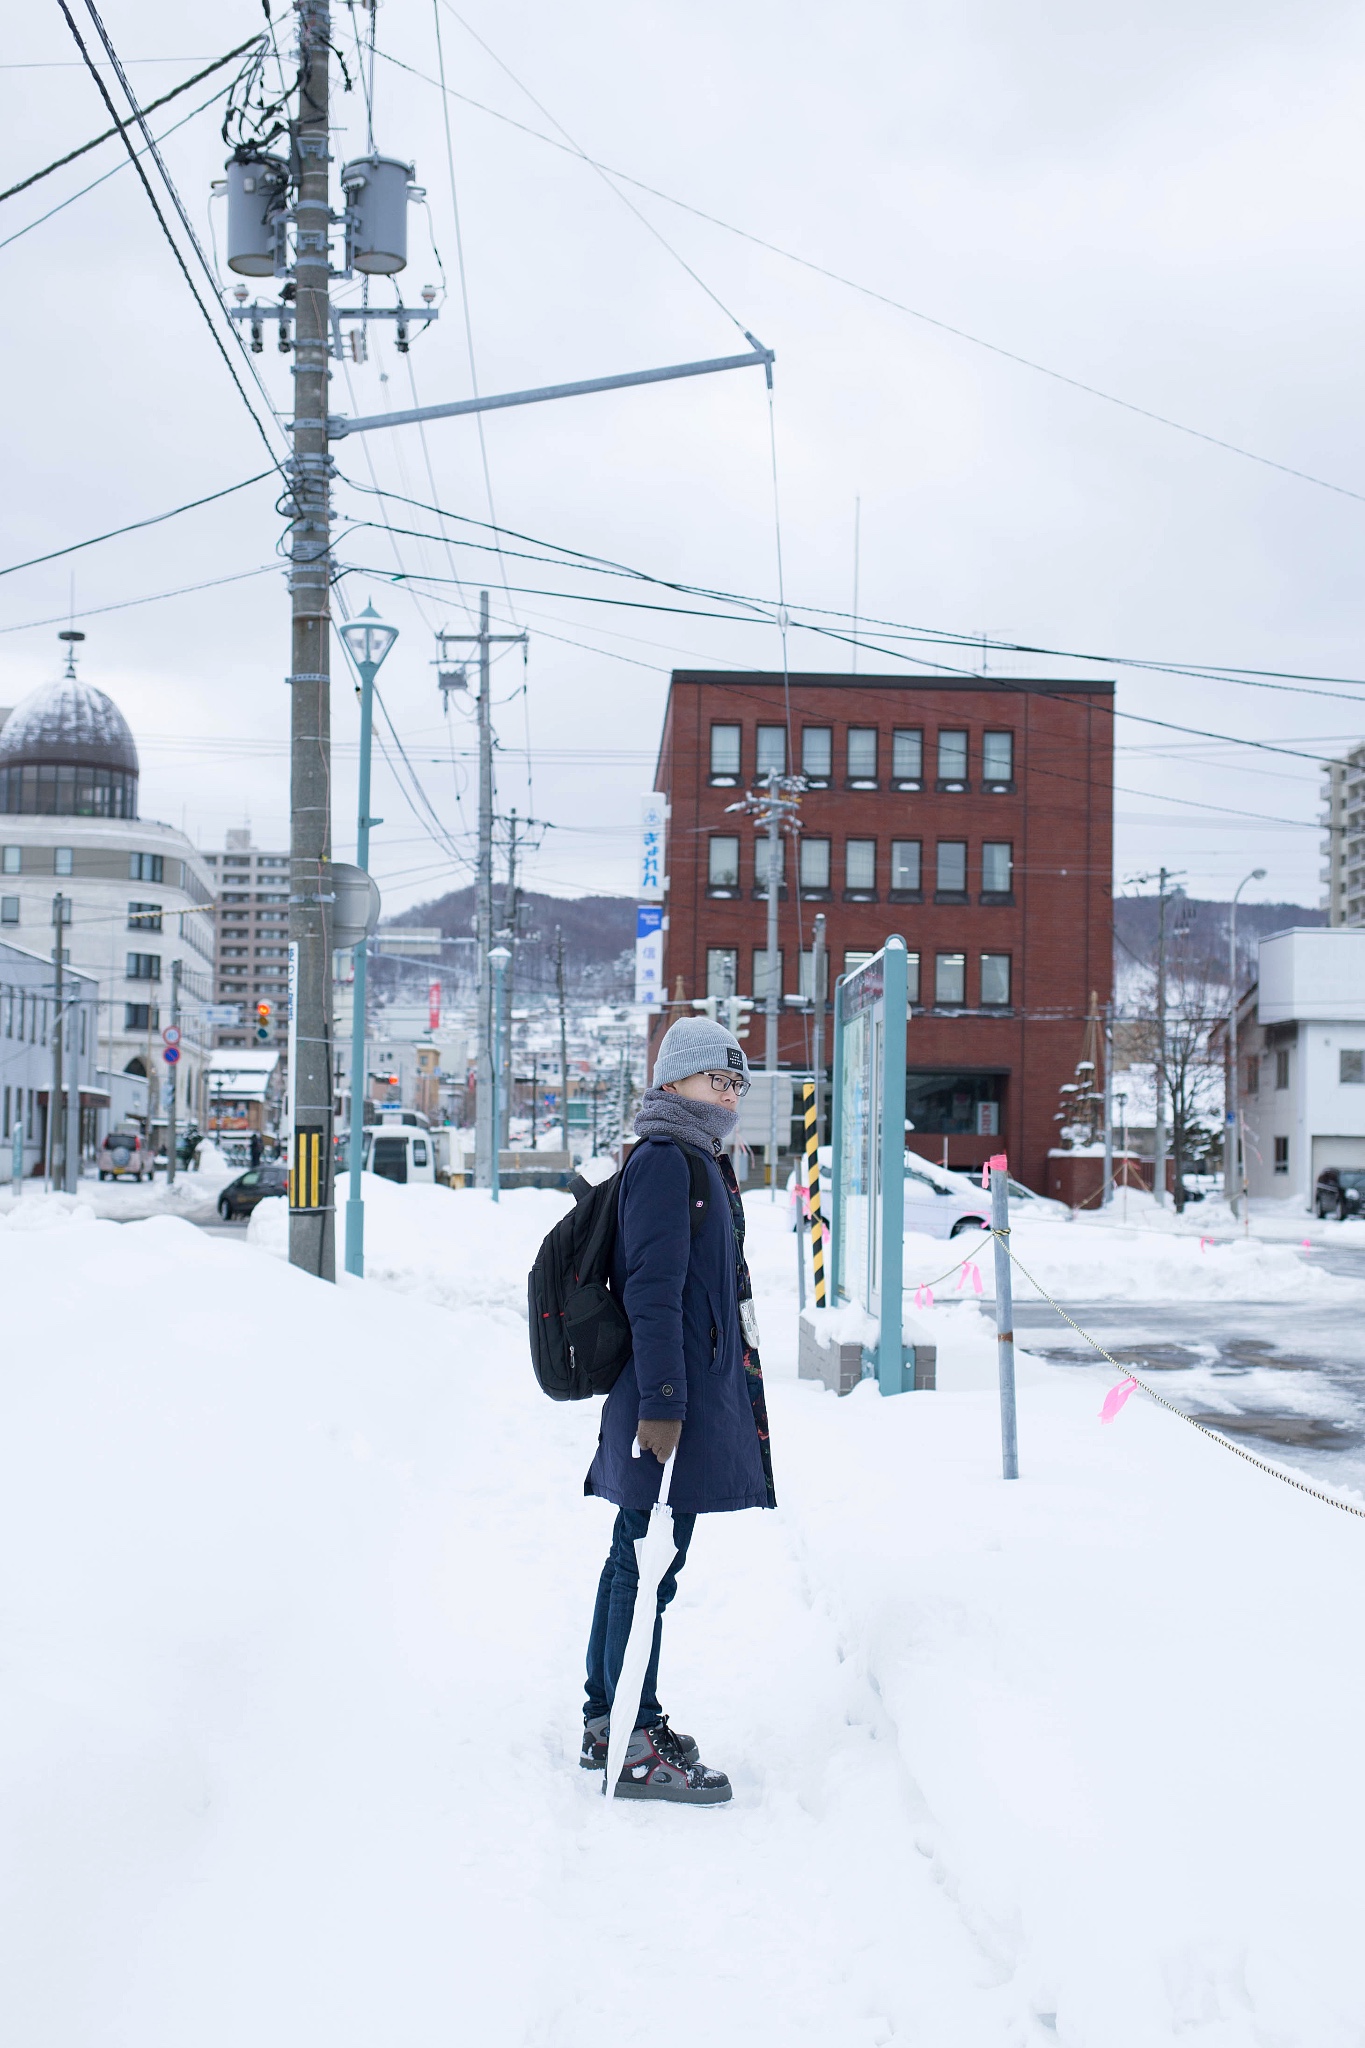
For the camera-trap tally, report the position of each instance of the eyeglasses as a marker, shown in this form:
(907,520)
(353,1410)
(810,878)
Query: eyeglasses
(729,1084)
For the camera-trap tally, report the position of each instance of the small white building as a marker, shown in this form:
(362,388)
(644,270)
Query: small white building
(1301,1061)
(28,1010)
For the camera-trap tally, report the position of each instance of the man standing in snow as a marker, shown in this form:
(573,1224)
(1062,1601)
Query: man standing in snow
(693,1385)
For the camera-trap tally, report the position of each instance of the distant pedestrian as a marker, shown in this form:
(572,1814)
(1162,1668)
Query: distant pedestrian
(693,1385)
(257,1148)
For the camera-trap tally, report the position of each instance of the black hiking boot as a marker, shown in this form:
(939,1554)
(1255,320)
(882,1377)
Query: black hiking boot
(593,1755)
(656,1768)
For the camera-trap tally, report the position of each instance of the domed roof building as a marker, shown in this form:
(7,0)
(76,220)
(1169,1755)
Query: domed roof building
(66,751)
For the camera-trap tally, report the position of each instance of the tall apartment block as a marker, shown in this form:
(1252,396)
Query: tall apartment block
(974,818)
(251,935)
(1343,839)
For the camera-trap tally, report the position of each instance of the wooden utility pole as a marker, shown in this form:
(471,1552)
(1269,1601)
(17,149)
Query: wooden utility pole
(563,1038)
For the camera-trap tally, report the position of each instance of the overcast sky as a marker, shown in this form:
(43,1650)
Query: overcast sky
(1162,202)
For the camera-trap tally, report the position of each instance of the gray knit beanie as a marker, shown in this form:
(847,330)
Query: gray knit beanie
(698,1045)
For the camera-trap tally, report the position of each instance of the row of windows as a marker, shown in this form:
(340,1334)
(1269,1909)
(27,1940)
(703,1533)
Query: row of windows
(17,1116)
(262,952)
(906,871)
(1350,1068)
(244,860)
(950,976)
(142,867)
(142,917)
(45,790)
(25,1016)
(863,756)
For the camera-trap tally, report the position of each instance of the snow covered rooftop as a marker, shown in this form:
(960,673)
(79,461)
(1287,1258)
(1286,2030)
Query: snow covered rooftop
(68,722)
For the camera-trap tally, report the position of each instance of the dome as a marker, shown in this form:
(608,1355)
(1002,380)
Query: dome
(66,750)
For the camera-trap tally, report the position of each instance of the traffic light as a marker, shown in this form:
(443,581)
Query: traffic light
(262,1023)
(706,1004)
(737,1010)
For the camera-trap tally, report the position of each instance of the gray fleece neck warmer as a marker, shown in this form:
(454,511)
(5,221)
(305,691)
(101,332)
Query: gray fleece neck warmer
(663,1114)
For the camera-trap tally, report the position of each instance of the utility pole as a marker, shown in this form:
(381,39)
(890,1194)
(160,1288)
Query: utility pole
(563,1038)
(508,936)
(1159,1135)
(56,1115)
(817,977)
(1108,1194)
(312,1237)
(486,1132)
(172,1074)
(775,809)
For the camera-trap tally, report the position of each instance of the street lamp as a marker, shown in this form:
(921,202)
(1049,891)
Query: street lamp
(499,959)
(367,640)
(1232,1146)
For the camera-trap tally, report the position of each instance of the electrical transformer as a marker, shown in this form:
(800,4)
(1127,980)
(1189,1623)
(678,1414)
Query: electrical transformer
(378,189)
(255,190)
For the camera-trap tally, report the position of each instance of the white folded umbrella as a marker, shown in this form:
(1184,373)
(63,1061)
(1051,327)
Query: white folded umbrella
(654,1553)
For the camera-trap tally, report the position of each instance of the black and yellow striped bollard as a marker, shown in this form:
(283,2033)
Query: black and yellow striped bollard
(817,1229)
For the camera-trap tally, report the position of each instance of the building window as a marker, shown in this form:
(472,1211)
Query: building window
(1352,1067)
(725,753)
(952,759)
(997,867)
(950,978)
(722,867)
(271,952)
(907,756)
(144,917)
(761,862)
(912,977)
(1253,1074)
(862,756)
(144,967)
(771,758)
(722,970)
(860,865)
(61,860)
(808,976)
(814,864)
(270,860)
(995,980)
(997,757)
(905,864)
(9,910)
(12,860)
(141,1017)
(146,867)
(1282,1155)
(1282,1069)
(817,753)
(952,867)
(945,1103)
(761,975)
(854,960)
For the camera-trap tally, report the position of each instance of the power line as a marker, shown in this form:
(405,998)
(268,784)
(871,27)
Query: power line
(136,526)
(884,298)
(84,148)
(161,218)
(95,611)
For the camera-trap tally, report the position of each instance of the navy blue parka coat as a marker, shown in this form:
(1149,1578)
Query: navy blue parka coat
(680,1293)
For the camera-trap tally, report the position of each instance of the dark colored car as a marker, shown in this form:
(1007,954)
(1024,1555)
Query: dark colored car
(1340,1192)
(240,1196)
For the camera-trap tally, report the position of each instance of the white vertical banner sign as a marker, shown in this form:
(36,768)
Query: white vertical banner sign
(293,1047)
(653,813)
(649,955)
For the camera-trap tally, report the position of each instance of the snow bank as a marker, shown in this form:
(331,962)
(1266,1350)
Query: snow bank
(296,1581)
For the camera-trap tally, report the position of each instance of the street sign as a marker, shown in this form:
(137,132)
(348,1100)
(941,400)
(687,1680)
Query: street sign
(171,1055)
(172,1034)
(216,1014)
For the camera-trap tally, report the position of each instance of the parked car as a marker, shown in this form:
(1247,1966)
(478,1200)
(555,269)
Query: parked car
(938,1202)
(240,1196)
(399,1152)
(1340,1192)
(124,1154)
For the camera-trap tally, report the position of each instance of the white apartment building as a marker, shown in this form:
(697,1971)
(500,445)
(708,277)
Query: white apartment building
(252,921)
(1343,843)
(137,898)
(1301,1061)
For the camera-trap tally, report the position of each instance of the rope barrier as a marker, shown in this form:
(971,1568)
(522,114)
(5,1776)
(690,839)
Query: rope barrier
(1287,1478)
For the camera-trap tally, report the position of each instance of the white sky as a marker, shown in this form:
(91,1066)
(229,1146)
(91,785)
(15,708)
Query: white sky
(1163,202)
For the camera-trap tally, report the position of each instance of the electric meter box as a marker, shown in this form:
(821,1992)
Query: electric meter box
(255,190)
(378,189)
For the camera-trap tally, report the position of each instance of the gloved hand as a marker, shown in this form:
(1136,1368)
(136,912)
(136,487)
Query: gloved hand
(659,1437)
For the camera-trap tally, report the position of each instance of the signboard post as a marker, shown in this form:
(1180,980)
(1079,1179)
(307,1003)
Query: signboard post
(868,1167)
(649,955)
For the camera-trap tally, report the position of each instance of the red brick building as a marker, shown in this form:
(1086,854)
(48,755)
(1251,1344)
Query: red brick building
(973,817)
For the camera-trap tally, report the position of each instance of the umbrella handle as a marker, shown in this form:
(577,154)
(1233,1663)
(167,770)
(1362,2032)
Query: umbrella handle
(667,1479)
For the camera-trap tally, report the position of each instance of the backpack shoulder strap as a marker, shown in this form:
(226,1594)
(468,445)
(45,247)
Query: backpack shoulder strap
(698,1187)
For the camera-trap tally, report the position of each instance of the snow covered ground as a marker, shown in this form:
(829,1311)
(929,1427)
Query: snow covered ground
(296,1581)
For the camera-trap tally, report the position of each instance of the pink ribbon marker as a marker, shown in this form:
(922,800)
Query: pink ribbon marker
(970,1271)
(997,1159)
(1115,1399)
(1204,1243)
(924,1297)
(1308,1244)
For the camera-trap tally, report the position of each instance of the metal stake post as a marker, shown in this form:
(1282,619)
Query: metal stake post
(1004,1318)
(56,1112)
(497,959)
(172,1077)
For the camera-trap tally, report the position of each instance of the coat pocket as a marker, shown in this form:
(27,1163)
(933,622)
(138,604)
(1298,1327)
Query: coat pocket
(598,1335)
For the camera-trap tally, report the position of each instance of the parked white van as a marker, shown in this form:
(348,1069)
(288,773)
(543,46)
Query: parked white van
(399,1152)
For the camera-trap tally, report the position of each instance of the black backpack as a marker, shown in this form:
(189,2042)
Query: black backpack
(580,1338)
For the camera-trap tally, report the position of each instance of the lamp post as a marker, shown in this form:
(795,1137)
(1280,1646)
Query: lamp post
(367,640)
(499,959)
(1232,1145)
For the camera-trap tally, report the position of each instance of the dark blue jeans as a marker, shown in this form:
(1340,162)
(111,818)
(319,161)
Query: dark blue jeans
(615,1609)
